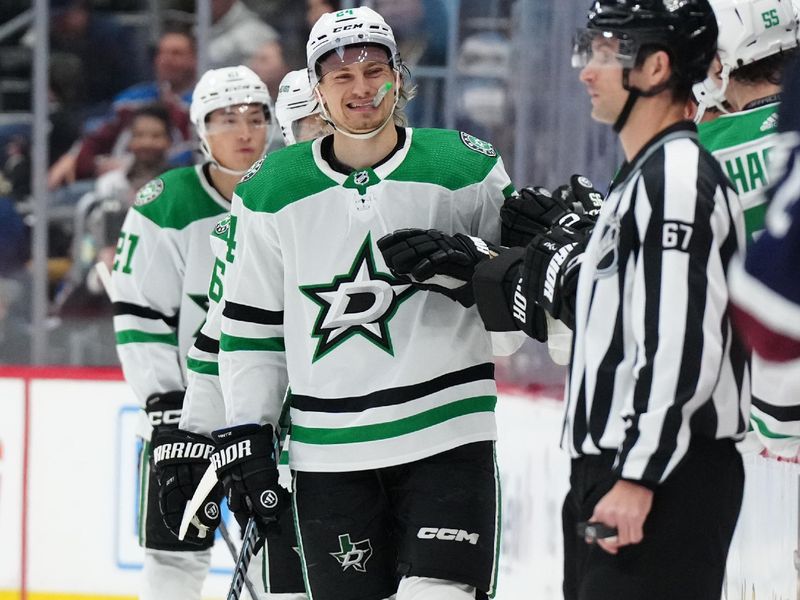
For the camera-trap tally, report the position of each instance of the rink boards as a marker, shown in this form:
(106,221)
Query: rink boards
(68,484)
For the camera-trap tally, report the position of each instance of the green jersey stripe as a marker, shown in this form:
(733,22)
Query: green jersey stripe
(509,190)
(380,431)
(204,367)
(765,431)
(231,343)
(132,336)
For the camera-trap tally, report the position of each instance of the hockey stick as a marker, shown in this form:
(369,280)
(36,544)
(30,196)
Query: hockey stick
(204,488)
(243,562)
(226,536)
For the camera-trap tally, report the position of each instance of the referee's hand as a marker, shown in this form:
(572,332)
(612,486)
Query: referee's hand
(625,507)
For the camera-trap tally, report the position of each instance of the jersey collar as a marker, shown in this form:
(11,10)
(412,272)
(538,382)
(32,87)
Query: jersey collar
(209,188)
(681,129)
(322,150)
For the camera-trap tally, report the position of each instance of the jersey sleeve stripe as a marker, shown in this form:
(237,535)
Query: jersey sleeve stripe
(779,413)
(127,308)
(765,431)
(393,396)
(203,367)
(206,344)
(382,431)
(132,336)
(230,343)
(251,314)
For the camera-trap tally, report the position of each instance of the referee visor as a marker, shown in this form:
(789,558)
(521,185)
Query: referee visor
(603,49)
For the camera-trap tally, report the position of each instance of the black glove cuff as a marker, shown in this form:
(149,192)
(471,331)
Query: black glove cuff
(164,410)
(173,446)
(243,443)
(494,291)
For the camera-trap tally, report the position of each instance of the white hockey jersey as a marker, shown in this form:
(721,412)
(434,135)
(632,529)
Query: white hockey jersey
(203,406)
(160,278)
(381,373)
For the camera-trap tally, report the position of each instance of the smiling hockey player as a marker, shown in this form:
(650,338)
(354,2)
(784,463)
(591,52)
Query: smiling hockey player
(392,448)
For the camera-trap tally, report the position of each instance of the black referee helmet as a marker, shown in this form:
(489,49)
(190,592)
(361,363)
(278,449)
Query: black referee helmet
(685,29)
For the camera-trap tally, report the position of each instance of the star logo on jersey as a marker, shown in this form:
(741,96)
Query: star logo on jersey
(202,301)
(360,302)
(353,555)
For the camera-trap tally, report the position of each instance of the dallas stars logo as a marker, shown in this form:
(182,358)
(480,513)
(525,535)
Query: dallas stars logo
(353,555)
(360,302)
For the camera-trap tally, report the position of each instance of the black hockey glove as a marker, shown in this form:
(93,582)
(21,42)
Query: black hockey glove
(246,463)
(435,261)
(549,274)
(535,210)
(164,410)
(581,197)
(180,458)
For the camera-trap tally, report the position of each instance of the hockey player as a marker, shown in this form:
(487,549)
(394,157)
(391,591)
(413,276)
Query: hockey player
(756,40)
(160,279)
(275,570)
(392,407)
(764,287)
(297,109)
(658,390)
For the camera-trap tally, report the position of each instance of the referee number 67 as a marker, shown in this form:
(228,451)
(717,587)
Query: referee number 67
(676,235)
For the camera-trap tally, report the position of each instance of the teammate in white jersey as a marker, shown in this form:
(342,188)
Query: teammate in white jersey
(756,39)
(160,280)
(275,570)
(392,389)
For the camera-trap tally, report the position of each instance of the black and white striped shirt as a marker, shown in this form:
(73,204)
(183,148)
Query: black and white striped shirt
(655,362)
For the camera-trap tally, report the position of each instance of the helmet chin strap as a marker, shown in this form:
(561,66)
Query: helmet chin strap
(360,136)
(633,95)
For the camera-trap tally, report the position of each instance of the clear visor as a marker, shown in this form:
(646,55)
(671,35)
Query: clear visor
(255,117)
(309,128)
(598,48)
(344,56)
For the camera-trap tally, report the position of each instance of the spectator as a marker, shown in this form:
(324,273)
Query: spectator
(316,8)
(84,74)
(15,247)
(268,63)
(115,191)
(175,66)
(236,33)
(148,147)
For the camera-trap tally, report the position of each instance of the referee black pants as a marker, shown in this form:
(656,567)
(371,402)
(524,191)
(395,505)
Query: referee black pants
(686,535)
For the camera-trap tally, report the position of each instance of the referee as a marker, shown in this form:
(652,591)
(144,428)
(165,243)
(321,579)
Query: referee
(658,389)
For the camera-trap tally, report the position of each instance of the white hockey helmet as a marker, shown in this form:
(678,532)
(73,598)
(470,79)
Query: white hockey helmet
(335,31)
(749,30)
(220,88)
(295,101)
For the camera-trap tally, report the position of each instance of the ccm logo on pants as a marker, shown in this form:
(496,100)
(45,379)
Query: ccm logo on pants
(448,535)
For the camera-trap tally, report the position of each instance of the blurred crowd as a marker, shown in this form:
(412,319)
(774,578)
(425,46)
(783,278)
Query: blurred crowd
(119,117)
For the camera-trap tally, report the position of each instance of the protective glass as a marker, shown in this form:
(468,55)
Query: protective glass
(332,67)
(599,49)
(234,118)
